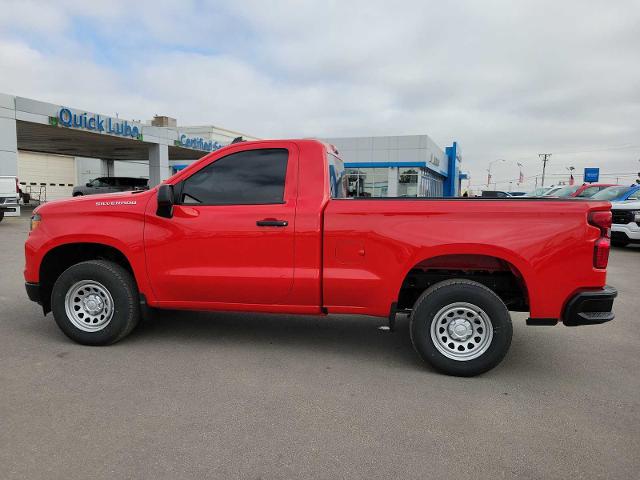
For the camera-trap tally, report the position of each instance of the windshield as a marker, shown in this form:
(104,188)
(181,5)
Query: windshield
(564,191)
(551,191)
(609,193)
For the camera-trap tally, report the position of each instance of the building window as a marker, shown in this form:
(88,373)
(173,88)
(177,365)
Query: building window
(408,182)
(431,185)
(374,182)
(368,182)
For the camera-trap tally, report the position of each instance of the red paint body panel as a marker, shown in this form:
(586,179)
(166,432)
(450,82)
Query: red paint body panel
(81,220)
(548,242)
(340,256)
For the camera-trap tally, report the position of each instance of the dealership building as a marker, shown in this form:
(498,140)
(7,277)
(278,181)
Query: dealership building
(52,147)
(400,166)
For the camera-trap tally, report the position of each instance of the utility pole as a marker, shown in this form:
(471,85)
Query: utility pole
(545,159)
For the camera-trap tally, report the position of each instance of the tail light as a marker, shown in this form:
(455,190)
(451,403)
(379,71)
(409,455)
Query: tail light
(17,186)
(602,220)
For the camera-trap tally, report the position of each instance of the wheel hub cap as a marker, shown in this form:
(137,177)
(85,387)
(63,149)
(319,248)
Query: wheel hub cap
(461,331)
(89,305)
(93,304)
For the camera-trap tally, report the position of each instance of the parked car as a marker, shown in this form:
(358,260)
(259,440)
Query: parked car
(632,194)
(585,190)
(111,185)
(617,193)
(552,191)
(9,197)
(267,226)
(539,192)
(495,194)
(625,228)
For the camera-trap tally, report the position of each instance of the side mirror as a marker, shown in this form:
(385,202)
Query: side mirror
(88,184)
(165,201)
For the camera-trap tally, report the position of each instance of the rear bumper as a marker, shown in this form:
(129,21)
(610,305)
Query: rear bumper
(33,292)
(590,307)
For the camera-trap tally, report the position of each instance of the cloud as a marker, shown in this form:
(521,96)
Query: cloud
(505,79)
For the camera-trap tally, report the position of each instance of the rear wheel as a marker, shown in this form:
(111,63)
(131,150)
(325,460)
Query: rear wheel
(95,302)
(1,216)
(461,327)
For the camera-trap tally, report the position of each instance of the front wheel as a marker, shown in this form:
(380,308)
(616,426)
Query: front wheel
(461,327)
(95,302)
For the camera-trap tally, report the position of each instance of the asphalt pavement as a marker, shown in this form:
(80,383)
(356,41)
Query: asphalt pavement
(226,395)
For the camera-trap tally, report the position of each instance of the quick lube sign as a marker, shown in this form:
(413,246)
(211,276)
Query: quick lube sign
(94,122)
(197,143)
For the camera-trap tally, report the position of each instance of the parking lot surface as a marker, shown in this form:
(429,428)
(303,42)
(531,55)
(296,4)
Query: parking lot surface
(224,395)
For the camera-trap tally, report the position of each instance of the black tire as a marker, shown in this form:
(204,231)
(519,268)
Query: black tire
(124,293)
(449,292)
(1,216)
(78,194)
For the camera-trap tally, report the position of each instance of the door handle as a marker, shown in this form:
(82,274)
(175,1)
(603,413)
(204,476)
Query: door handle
(269,222)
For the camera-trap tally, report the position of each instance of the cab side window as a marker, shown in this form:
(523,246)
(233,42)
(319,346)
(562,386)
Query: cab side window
(252,177)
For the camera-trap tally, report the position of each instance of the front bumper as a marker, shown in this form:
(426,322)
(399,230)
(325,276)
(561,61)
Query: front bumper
(33,292)
(590,307)
(629,232)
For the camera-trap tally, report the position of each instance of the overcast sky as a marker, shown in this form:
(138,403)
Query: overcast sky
(506,79)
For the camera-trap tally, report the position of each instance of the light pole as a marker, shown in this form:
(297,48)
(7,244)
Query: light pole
(489,169)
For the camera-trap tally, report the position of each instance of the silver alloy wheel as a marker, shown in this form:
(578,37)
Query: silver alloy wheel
(89,305)
(461,331)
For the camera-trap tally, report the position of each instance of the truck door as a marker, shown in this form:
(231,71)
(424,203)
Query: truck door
(231,237)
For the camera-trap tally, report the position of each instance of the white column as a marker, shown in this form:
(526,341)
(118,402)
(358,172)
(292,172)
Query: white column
(8,136)
(106,168)
(392,189)
(158,163)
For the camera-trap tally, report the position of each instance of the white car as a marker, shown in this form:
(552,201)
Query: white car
(625,226)
(9,197)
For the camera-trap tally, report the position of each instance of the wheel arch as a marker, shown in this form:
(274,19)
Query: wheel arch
(500,270)
(62,256)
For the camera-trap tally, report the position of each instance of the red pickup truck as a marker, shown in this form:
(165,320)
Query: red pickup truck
(268,226)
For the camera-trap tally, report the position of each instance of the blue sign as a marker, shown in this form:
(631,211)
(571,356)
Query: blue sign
(96,123)
(199,143)
(591,174)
